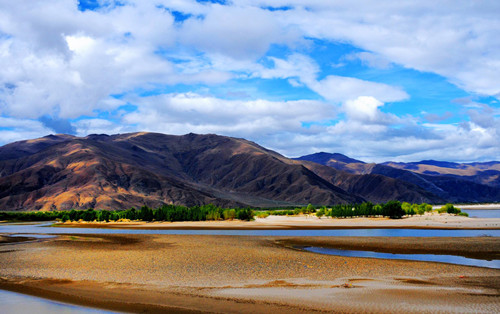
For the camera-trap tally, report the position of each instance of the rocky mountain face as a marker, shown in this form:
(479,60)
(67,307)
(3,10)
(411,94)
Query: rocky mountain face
(454,182)
(121,171)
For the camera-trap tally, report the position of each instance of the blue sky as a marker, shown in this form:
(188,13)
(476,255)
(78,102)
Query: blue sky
(375,81)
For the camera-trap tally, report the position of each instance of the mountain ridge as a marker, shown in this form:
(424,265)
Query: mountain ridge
(134,169)
(455,182)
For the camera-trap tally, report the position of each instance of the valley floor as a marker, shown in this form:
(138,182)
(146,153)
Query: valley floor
(429,221)
(248,274)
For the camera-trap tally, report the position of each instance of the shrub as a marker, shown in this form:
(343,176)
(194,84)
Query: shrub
(244,214)
(262,214)
(229,214)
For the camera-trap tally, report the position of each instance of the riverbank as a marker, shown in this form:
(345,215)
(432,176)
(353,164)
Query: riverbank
(193,273)
(428,221)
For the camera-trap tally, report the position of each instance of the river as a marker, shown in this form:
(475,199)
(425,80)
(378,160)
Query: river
(45,228)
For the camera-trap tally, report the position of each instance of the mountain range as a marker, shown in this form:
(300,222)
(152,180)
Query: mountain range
(130,170)
(452,182)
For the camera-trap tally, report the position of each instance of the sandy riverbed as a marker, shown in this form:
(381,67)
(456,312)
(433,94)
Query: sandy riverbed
(245,274)
(431,221)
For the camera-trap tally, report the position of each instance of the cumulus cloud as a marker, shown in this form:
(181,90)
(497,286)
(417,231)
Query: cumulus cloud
(234,31)
(61,62)
(340,88)
(365,109)
(189,112)
(455,39)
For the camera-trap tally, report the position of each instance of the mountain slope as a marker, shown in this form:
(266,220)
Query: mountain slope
(445,180)
(337,161)
(374,187)
(120,171)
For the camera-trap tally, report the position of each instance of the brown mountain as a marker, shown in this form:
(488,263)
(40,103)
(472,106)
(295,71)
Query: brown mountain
(487,173)
(448,181)
(373,187)
(125,170)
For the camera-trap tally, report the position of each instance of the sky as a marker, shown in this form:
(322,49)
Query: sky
(374,80)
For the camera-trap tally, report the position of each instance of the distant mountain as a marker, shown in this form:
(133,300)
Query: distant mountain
(326,158)
(455,182)
(125,170)
(374,187)
(487,173)
(337,161)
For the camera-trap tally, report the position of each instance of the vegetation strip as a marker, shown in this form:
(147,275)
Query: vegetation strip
(391,209)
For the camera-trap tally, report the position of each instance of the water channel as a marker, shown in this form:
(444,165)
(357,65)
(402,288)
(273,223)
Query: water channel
(12,302)
(45,228)
(482,213)
(451,259)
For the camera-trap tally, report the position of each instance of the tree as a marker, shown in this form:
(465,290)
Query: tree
(393,209)
(146,213)
(321,212)
(449,208)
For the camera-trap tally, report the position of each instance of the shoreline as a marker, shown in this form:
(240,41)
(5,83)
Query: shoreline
(248,274)
(435,221)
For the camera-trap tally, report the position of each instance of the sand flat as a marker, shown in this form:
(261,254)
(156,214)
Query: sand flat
(247,274)
(432,221)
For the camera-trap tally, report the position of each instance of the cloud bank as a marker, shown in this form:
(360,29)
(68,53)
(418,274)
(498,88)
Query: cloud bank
(296,76)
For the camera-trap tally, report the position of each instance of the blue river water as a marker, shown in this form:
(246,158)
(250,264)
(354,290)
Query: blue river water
(482,213)
(12,302)
(45,228)
(452,259)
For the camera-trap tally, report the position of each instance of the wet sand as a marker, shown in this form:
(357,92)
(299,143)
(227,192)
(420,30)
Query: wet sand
(431,221)
(229,274)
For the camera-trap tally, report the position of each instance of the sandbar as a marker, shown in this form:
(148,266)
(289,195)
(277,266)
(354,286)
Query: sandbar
(250,274)
(430,221)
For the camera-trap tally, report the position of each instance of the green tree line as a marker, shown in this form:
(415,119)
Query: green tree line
(162,213)
(391,209)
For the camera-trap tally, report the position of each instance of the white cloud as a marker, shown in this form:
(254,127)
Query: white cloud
(339,89)
(296,65)
(12,129)
(61,62)
(365,109)
(455,39)
(235,31)
(100,126)
(371,59)
(184,113)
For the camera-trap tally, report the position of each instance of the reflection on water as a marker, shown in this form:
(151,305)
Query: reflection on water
(452,259)
(11,302)
(44,229)
(482,213)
